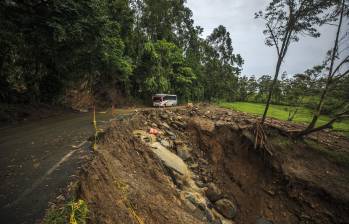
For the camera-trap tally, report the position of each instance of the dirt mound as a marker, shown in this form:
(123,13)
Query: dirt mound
(229,180)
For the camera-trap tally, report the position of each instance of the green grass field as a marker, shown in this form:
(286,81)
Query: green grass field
(280,112)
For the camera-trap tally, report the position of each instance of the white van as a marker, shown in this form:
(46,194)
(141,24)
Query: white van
(164,100)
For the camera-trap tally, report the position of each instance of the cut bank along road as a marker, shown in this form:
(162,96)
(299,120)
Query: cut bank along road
(37,159)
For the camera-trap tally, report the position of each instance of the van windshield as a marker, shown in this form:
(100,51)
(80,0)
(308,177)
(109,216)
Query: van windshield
(157,99)
(170,98)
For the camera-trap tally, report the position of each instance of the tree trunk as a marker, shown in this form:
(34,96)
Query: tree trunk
(277,71)
(318,109)
(292,114)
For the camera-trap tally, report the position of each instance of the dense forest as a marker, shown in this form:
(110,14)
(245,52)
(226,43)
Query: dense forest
(141,47)
(136,47)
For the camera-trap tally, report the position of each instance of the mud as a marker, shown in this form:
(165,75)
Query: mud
(230,180)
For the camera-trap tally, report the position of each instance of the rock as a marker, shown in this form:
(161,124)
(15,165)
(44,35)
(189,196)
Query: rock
(153,114)
(220,123)
(170,159)
(213,193)
(199,202)
(172,135)
(179,117)
(183,152)
(179,124)
(154,125)
(144,136)
(165,125)
(165,143)
(229,113)
(200,184)
(226,208)
(263,221)
(175,126)
(164,116)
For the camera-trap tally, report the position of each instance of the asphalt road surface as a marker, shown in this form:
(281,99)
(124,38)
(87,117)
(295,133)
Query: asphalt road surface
(37,159)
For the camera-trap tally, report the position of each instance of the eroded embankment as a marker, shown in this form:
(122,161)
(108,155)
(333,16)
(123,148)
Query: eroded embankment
(275,188)
(133,177)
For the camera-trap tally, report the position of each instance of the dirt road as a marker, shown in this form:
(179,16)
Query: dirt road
(37,159)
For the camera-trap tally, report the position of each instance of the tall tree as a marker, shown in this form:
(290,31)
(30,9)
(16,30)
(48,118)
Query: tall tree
(336,72)
(222,66)
(285,20)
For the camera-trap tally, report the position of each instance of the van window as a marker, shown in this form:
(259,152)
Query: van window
(170,97)
(157,98)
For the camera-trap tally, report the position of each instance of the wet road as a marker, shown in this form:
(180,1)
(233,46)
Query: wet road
(37,159)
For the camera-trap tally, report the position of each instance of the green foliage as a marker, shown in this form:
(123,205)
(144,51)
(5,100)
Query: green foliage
(163,70)
(72,212)
(137,47)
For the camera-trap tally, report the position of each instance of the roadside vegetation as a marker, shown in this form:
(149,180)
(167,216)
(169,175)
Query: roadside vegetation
(71,212)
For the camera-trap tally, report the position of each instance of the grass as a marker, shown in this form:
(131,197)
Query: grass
(71,212)
(280,112)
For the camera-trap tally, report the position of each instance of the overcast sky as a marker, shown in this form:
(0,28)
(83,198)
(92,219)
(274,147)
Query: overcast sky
(248,39)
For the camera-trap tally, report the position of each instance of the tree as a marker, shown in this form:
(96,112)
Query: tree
(336,72)
(127,46)
(263,85)
(301,86)
(285,21)
(247,87)
(221,66)
(163,70)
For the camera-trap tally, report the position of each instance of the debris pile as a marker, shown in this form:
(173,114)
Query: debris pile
(198,165)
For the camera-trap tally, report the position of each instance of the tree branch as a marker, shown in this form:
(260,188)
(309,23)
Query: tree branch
(325,126)
(345,60)
(274,39)
(335,48)
(341,75)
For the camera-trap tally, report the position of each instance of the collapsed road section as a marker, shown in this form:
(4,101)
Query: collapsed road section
(200,165)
